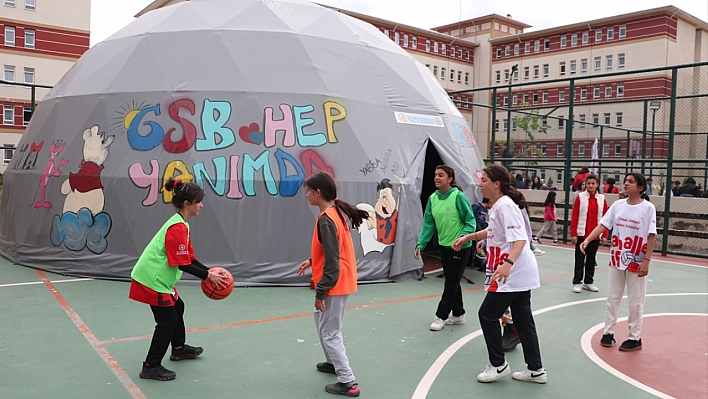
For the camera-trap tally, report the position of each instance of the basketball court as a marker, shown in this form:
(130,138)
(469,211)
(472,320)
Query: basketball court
(66,337)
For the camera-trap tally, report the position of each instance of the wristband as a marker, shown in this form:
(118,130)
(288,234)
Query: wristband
(509,260)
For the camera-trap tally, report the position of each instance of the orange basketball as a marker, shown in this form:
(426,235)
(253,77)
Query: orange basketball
(212,291)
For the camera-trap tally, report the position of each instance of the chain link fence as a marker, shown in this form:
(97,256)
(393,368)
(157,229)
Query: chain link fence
(653,121)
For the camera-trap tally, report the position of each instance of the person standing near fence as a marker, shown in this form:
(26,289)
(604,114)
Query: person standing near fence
(549,219)
(588,209)
(633,224)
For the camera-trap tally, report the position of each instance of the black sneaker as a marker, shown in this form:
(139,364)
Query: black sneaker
(325,367)
(187,352)
(608,340)
(631,345)
(157,373)
(350,389)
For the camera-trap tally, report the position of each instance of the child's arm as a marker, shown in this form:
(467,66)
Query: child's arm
(595,233)
(644,267)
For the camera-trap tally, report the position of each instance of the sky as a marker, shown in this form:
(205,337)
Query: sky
(107,17)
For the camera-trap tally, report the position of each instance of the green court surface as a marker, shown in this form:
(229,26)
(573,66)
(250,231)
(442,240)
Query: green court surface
(65,337)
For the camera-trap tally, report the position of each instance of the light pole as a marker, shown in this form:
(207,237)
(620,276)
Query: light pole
(653,106)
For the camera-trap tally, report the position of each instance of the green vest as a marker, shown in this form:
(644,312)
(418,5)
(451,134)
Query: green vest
(447,218)
(152,269)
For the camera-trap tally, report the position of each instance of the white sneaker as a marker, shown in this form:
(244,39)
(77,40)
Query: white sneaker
(538,376)
(577,288)
(437,325)
(590,287)
(538,252)
(492,373)
(455,320)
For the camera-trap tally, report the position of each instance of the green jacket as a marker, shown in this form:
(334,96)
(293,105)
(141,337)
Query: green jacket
(449,213)
(152,269)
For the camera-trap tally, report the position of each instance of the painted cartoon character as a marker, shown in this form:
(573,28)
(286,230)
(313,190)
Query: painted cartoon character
(367,231)
(84,189)
(386,212)
(30,161)
(50,171)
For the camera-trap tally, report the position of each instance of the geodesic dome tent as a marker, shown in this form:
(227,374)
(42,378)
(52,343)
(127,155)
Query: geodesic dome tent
(247,99)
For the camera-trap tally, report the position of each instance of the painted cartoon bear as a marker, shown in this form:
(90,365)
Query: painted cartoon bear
(84,189)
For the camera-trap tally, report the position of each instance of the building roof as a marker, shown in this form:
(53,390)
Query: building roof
(478,20)
(672,10)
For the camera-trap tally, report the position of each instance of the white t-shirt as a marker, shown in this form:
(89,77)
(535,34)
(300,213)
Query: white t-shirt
(631,226)
(506,225)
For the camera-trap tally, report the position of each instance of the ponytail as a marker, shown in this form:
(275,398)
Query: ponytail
(498,173)
(356,216)
(324,182)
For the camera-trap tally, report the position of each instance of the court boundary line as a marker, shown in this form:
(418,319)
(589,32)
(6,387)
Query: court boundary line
(426,382)
(657,258)
(105,355)
(42,282)
(586,344)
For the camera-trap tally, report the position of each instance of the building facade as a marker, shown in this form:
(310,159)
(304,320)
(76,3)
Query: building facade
(39,42)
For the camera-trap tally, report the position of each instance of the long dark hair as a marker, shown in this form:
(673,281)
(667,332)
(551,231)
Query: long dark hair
(450,172)
(550,198)
(184,191)
(641,182)
(324,182)
(498,173)
(610,184)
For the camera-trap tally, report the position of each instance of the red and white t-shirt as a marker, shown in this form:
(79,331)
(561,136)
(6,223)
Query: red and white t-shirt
(631,226)
(506,225)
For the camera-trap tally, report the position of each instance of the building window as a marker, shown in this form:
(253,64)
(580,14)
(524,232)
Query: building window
(26,115)
(506,125)
(620,90)
(606,149)
(467,78)
(561,125)
(397,38)
(596,92)
(559,149)
(29,38)
(536,46)
(595,119)
(609,62)
(559,178)
(499,51)
(415,42)
(10,36)
(405,40)
(29,75)
(435,71)
(582,121)
(598,35)
(583,94)
(618,148)
(607,118)
(561,95)
(507,50)
(535,71)
(543,148)
(608,91)
(506,75)
(452,75)
(561,68)
(527,47)
(443,49)
(497,76)
(564,41)
(459,53)
(9,73)
(8,153)
(515,100)
(586,37)
(623,31)
(546,44)
(523,148)
(435,47)
(584,65)
(442,74)
(452,51)
(581,149)
(620,61)
(467,55)
(427,45)
(545,97)
(573,67)
(526,99)
(618,119)
(516,49)
(8,115)
(30,4)
(535,97)
(516,76)
(513,125)
(545,70)
(459,76)
(386,32)
(526,73)
(10,3)
(610,34)
(574,39)
(496,125)
(598,63)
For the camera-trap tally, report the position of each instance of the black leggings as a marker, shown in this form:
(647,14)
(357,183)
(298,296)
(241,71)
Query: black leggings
(585,261)
(169,329)
(453,263)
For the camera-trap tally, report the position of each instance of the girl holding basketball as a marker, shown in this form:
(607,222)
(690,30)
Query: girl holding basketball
(334,274)
(512,272)
(158,269)
(633,224)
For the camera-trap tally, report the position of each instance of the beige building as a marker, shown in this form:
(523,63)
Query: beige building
(39,42)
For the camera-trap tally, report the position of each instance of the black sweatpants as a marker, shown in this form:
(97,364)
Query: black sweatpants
(453,263)
(585,262)
(492,309)
(169,330)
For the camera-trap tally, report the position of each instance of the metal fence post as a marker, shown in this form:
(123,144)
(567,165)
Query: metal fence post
(669,162)
(644,135)
(568,157)
(494,124)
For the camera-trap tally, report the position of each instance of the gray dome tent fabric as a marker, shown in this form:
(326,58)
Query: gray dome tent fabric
(246,99)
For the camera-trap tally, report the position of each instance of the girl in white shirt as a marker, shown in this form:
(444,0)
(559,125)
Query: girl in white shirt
(633,224)
(512,272)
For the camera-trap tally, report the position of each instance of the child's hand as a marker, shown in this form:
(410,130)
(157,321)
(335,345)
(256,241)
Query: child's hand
(416,254)
(217,278)
(303,266)
(643,268)
(459,242)
(583,245)
(502,272)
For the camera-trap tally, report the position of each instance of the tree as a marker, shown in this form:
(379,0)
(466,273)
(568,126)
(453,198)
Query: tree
(532,123)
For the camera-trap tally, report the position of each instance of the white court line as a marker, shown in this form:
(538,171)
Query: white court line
(42,283)
(421,391)
(587,348)
(657,256)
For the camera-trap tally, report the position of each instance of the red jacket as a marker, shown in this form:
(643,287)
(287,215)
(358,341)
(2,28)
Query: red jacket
(578,182)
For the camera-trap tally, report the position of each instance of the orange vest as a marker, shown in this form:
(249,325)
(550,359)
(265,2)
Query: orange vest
(347,258)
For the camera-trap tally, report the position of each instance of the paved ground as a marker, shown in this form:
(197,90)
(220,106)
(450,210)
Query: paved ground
(63,337)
